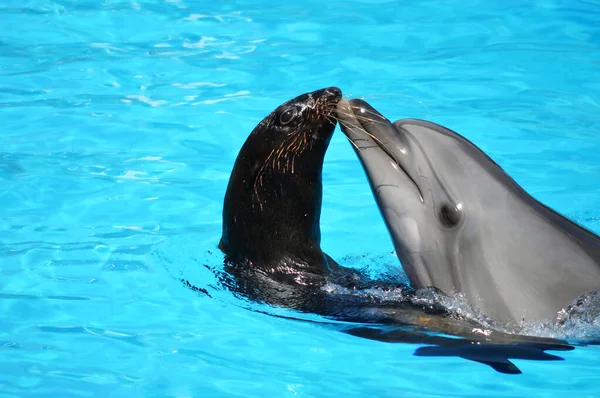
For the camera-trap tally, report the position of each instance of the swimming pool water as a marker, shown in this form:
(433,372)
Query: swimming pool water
(121,120)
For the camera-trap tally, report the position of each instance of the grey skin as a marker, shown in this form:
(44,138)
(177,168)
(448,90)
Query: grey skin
(461,224)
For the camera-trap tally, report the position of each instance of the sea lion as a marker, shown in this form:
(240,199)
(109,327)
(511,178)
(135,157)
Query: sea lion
(272,208)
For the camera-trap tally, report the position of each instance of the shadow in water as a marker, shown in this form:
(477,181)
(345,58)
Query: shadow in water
(495,355)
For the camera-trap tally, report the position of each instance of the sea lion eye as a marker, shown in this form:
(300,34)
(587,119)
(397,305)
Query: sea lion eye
(287,116)
(450,215)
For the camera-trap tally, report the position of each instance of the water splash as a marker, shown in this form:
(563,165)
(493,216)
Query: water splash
(579,322)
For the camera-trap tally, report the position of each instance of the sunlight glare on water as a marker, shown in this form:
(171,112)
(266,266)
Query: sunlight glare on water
(121,121)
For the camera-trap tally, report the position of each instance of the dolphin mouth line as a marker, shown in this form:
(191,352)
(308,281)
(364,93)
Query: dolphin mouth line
(371,118)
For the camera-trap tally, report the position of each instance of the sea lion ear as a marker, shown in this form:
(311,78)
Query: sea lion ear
(254,170)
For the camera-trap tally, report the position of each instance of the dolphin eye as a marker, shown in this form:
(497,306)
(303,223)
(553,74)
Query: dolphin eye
(288,115)
(450,215)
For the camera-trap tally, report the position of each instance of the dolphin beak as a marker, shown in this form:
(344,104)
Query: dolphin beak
(355,117)
(367,128)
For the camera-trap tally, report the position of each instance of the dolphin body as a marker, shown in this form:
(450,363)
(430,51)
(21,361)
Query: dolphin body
(461,224)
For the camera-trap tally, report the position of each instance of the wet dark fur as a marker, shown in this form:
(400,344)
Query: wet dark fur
(272,208)
(273,200)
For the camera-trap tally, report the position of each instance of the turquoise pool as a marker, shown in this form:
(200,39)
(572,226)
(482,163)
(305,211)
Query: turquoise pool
(120,123)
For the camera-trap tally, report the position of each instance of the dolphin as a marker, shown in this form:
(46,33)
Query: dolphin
(461,224)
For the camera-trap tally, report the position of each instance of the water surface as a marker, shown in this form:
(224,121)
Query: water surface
(121,121)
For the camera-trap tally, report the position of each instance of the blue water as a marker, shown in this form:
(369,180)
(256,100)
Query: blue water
(121,120)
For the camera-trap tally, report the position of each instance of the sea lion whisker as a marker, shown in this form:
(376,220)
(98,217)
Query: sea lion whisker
(373,137)
(352,143)
(369,119)
(363,110)
(418,101)
(346,123)
(361,118)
